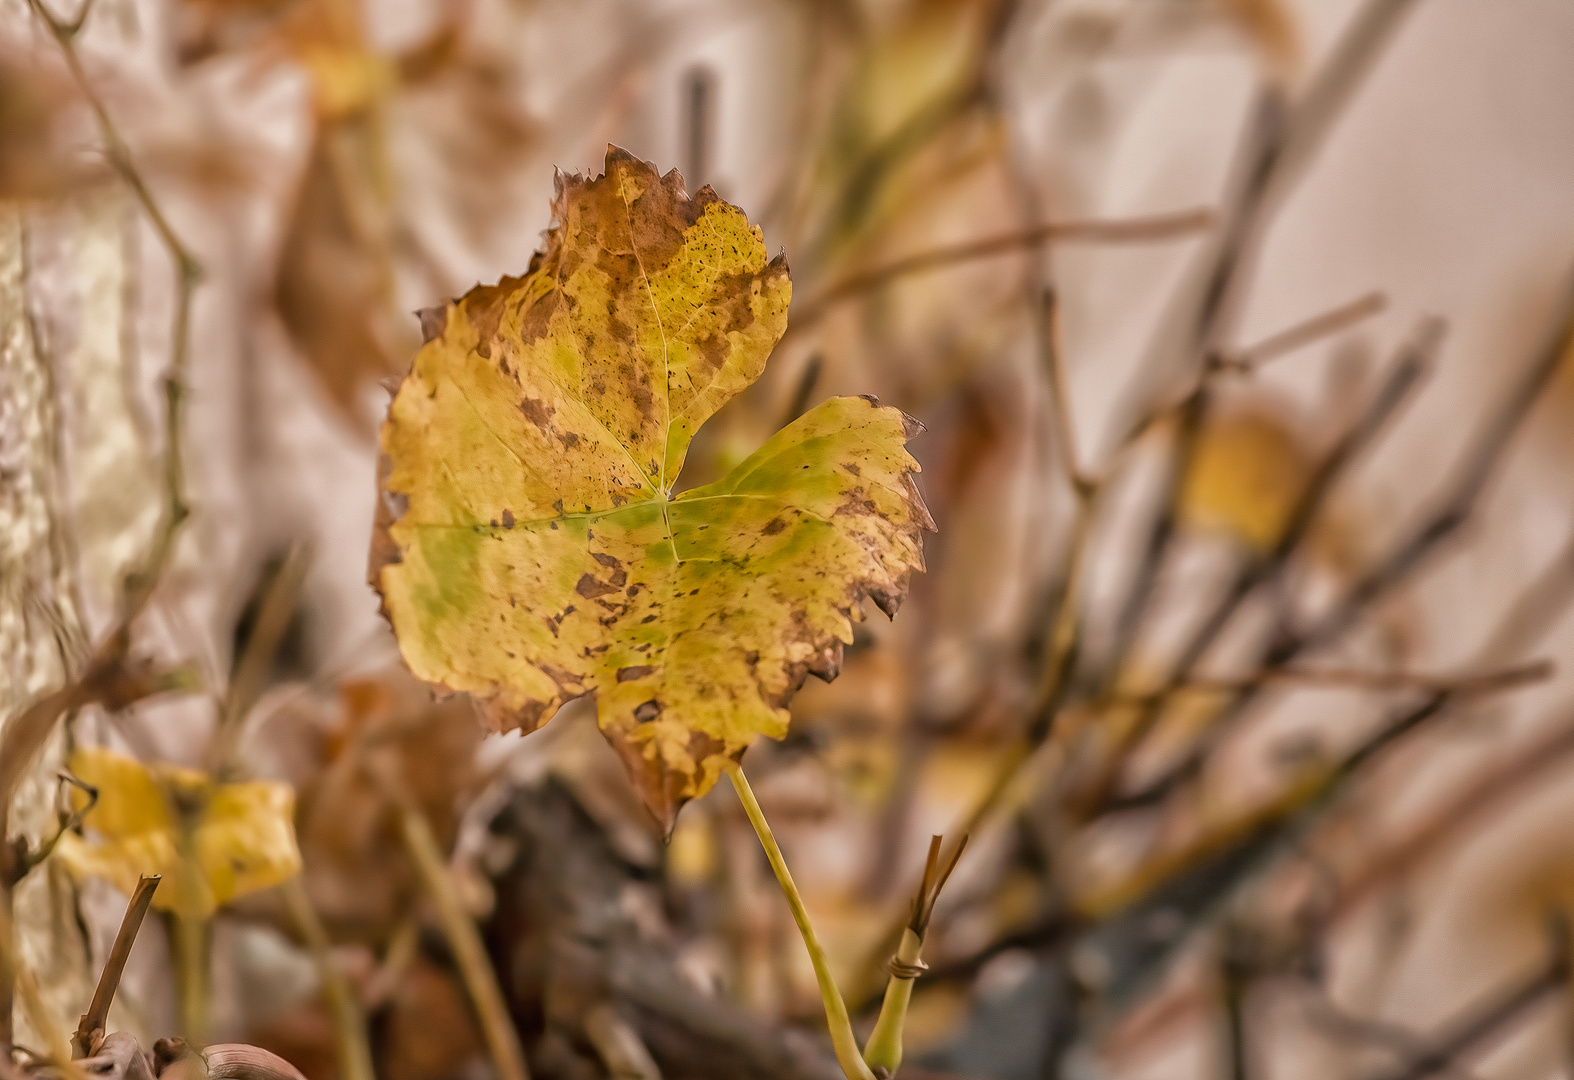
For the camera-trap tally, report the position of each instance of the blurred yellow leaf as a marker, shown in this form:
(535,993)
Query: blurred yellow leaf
(327,38)
(692,858)
(926,57)
(910,80)
(346,80)
(1248,472)
(212,842)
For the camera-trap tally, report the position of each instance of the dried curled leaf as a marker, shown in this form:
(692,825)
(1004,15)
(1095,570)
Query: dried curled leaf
(212,842)
(538,553)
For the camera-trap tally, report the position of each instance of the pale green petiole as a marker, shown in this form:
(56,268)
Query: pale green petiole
(884,1048)
(842,1038)
(883,1053)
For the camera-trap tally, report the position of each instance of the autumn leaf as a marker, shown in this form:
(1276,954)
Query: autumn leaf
(530,547)
(241,835)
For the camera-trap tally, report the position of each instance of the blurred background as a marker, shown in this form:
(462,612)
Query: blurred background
(1239,330)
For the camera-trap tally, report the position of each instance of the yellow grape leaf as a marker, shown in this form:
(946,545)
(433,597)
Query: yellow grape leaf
(242,835)
(1245,479)
(530,549)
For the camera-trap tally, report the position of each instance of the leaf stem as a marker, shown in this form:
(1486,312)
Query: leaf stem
(469,953)
(189,936)
(836,1018)
(349,1023)
(884,1048)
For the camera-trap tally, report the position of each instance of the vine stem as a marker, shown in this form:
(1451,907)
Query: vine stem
(469,951)
(843,1040)
(90,1028)
(349,1022)
(26,732)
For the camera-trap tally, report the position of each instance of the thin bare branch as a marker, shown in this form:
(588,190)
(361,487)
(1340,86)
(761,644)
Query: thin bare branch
(1398,1041)
(475,969)
(90,1028)
(349,1023)
(279,599)
(1250,359)
(804,390)
(1539,607)
(188,272)
(1479,467)
(1412,550)
(1480,1027)
(72,822)
(1139,230)
(1280,143)
(1469,808)
(25,735)
(1355,679)
(1395,391)
(1065,432)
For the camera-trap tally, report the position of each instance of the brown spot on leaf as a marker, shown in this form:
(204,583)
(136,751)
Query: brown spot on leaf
(647,711)
(619,577)
(391,506)
(663,788)
(856,503)
(887,602)
(644,400)
(526,717)
(590,588)
(508,519)
(484,305)
(712,354)
(637,671)
(567,681)
(554,621)
(917,508)
(662,210)
(622,332)
(537,412)
(774,526)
